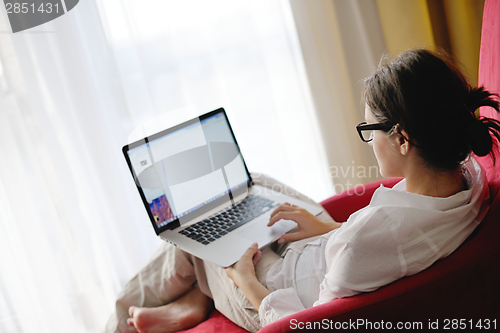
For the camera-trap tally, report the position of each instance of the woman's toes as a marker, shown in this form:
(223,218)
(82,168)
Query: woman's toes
(131,311)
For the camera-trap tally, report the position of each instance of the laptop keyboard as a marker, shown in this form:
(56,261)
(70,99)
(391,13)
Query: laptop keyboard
(216,226)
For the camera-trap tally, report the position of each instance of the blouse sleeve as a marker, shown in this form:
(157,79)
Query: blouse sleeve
(365,254)
(279,304)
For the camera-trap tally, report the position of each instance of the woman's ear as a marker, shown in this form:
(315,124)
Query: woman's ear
(404,142)
(401,140)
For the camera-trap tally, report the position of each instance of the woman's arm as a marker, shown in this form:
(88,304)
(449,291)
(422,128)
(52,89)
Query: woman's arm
(308,225)
(243,275)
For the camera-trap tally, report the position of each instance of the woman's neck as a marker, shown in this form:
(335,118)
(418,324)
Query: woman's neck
(434,183)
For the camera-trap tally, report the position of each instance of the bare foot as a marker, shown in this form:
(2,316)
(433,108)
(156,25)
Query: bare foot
(186,312)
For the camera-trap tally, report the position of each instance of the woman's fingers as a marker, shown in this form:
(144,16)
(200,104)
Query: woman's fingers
(294,215)
(251,250)
(286,207)
(256,257)
(283,206)
(245,266)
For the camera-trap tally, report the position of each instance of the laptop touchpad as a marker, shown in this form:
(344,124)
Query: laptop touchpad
(262,234)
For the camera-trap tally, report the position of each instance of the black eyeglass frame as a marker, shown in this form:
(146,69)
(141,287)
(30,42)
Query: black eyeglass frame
(385,126)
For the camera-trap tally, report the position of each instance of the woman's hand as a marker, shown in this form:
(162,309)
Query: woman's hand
(245,267)
(243,275)
(308,224)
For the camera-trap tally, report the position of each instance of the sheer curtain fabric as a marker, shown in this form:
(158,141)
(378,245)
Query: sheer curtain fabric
(72,91)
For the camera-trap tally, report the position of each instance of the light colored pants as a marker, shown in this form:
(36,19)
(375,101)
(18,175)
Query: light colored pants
(172,272)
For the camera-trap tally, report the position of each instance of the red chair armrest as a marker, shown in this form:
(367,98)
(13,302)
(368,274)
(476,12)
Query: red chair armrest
(342,205)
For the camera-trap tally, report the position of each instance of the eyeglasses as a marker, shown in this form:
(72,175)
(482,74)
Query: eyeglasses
(365,130)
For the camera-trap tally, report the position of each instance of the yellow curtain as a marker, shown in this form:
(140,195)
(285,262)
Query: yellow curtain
(451,25)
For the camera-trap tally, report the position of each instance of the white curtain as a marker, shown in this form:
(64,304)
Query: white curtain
(72,91)
(342,43)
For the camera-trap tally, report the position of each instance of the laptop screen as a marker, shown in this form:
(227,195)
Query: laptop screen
(187,170)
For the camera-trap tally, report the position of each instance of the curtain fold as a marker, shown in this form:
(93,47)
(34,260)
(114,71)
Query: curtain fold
(341,42)
(66,231)
(451,25)
(406,24)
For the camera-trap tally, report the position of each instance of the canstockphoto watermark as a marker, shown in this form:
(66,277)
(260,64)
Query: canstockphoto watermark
(270,186)
(362,174)
(354,171)
(341,176)
(26,14)
(358,324)
(430,325)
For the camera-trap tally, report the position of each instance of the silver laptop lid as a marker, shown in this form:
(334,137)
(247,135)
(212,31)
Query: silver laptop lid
(187,170)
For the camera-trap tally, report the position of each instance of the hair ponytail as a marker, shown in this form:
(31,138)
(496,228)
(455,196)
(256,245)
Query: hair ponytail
(480,97)
(481,131)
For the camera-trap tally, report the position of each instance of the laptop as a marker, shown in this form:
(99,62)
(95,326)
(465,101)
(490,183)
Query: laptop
(198,193)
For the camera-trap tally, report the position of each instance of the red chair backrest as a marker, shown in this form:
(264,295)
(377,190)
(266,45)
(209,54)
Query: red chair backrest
(489,77)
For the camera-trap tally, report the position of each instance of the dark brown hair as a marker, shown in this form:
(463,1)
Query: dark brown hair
(434,103)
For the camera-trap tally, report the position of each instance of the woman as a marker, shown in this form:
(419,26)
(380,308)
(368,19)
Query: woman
(421,124)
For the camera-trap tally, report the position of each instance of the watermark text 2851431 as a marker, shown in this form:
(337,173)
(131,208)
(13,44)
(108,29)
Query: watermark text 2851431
(26,14)
(25,7)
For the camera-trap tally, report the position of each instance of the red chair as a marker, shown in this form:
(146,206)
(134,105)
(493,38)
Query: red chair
(458,292)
